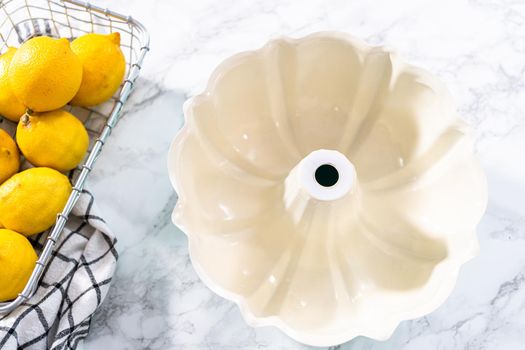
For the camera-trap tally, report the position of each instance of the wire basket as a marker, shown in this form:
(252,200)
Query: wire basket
(21,20)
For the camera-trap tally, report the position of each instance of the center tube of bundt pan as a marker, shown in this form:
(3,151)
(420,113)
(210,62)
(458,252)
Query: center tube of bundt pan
(320,178)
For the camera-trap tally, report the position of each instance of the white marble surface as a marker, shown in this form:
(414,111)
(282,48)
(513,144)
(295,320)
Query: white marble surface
(477,47)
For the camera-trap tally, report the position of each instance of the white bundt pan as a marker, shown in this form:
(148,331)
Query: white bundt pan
(327,188)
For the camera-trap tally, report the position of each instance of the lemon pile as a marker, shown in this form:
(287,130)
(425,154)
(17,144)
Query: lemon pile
(37,80)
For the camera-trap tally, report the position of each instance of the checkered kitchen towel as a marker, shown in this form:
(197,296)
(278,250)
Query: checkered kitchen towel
(58,316)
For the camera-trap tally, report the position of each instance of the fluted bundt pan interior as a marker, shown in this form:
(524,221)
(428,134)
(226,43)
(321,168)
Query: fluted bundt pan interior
(326,187)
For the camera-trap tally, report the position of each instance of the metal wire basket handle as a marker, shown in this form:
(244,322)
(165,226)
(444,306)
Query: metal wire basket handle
(98,145)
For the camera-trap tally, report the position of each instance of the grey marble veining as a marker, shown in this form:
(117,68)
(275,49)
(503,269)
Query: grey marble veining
(476,47)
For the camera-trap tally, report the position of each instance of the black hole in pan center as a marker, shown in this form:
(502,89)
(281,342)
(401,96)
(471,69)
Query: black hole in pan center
(326,175)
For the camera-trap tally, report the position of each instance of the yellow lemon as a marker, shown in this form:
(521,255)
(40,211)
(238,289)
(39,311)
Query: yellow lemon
(103,65)
(31,200)
(45,74)
(9,156)
(17,261)
(10,107)
(55,139)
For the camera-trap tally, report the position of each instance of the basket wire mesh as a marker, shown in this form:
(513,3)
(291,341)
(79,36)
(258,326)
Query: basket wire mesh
(22,19)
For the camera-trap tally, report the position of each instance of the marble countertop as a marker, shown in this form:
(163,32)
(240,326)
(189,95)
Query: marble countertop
(477,47)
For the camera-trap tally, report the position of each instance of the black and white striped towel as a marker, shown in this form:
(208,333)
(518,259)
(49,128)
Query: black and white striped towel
(74,284)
